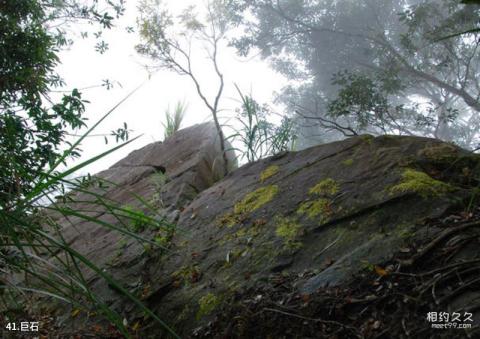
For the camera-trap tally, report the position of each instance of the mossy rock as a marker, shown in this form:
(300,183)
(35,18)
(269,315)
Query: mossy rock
(440,152)
(291,213)
(270,171)
(256,199)
(289,230)
(325,187)
(319,207)
(207,304)
(414,181)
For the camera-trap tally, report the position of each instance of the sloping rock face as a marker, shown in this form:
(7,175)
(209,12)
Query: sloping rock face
(159,180)
(332,210)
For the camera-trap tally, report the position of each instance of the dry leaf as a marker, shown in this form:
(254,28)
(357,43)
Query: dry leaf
(136,326)
(380,271)
(97,328)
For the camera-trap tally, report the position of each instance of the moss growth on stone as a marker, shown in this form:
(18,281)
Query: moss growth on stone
(248,232)
(316,207)
(186,275)
(264,255)
(288,229)
(256,199)
(252,201)
(440,153)
(421,183)
(207,304)
(405,231)
(269,172)
(229,220)
(348,162)
(325,187)
(244,234)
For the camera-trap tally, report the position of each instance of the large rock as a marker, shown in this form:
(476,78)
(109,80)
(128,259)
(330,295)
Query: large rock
(189,162)
(158,180)
(331,209)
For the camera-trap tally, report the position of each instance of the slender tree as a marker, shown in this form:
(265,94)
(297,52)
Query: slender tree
(169,41)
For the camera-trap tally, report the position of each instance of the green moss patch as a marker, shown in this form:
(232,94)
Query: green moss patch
(207,304)
(245,234)
(186,276)
(421,183)
(289,230)
(325,187)
(440,153)
(256,199)
(252,201)
(405,231)
(348,162)
(229,220)
(269,172)
(321,206)
(316,207)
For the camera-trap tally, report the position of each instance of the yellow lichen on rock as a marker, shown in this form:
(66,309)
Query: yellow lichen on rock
(421,183)
(325,187)
(269,172)
(315,208)
(256,199)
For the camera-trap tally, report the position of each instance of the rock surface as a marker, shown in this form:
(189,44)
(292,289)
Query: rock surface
(332,209)
(162,178)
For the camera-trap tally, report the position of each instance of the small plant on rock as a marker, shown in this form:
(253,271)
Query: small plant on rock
(257,136)
(173,119)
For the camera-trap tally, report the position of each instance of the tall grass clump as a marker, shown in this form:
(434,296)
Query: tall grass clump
(257,137)
(173,119)
(37,263)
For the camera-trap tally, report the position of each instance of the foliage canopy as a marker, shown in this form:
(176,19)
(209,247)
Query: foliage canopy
(33,125)
(372,66)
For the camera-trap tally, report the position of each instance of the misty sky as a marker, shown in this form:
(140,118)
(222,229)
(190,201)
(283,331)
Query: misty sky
(144,111)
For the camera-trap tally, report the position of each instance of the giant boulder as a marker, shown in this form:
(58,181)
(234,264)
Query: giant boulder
(330,210)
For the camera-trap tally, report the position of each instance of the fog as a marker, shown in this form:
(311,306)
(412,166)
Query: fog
(403,70)
(336,68)
(82,67)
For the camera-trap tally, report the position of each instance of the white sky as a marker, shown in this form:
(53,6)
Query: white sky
(144,111)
